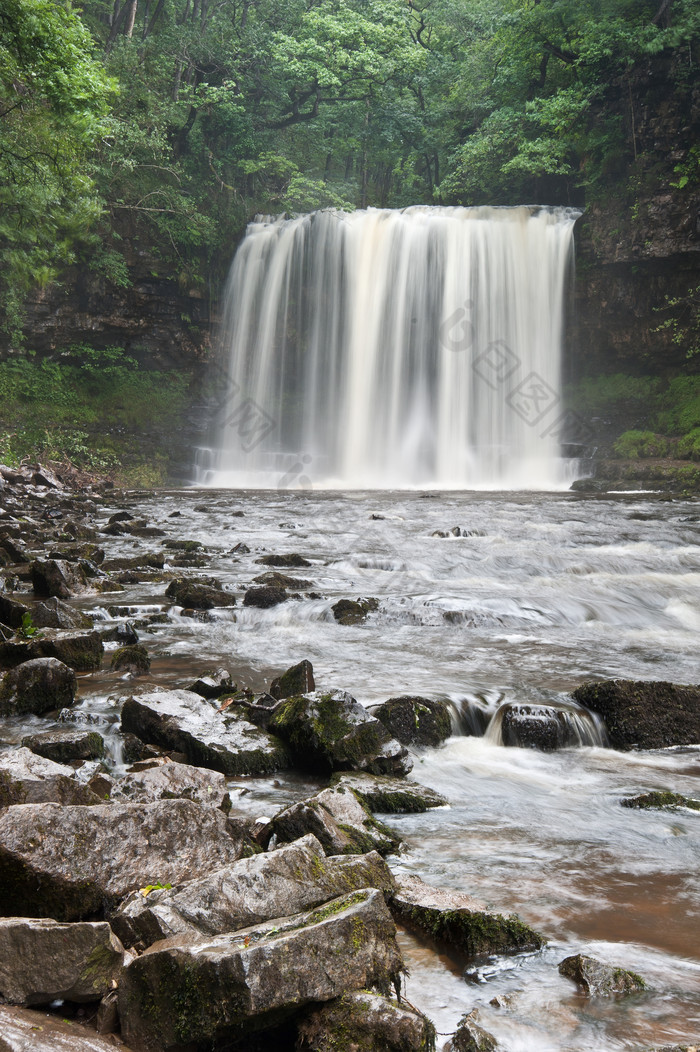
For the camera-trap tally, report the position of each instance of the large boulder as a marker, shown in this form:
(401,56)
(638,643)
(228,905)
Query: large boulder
(81,650)
(26,778)
(75,862)
(43,961)
(58,577)
(380,793)
(593,977)
(459,921)
(167,780)
(296,877)
(183,721)
(415,720)
(62,746)
(367,1023)
(25,1031)
(546,727)
(644,715)
(299,679)
(197,595)
(338,820)
(333,732)
(204,991)
(37,686)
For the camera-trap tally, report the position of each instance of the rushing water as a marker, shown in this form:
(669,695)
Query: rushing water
(537,594)
(395,349)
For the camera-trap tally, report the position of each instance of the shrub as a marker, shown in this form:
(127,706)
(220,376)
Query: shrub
(634,444)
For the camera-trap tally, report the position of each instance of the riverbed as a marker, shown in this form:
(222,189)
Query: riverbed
(483,598)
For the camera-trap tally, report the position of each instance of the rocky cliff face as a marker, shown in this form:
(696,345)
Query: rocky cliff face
(638,245)
(160,321)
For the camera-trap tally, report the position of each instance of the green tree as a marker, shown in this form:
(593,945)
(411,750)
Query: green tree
(54,97)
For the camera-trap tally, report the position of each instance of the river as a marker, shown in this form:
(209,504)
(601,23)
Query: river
(538,593)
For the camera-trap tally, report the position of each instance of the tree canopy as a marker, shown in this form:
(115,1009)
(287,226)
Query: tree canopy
(175,121)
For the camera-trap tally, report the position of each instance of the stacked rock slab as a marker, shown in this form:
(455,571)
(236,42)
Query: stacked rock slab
(294,878)
(206,990)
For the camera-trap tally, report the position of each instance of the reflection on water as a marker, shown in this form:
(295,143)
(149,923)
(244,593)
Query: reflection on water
(537,595)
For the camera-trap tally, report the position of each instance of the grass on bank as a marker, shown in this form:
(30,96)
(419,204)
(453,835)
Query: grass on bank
(664,413)
(94,409)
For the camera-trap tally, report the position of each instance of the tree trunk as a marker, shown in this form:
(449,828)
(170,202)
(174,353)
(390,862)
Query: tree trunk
(130,19)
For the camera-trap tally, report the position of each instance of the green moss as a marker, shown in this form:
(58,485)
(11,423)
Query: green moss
(661,799)
(98,967)
(11,792)
(472,933)
(625,979)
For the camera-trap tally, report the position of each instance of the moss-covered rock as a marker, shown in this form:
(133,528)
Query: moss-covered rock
(27,778)
(331,731)
(459,921)
(264,597)
(275,579)
(62,746)
(37,686)
(299,679)
(133,658)
(80,650)
(72,863)
(185,722)
(595,978)
(341,823)
(42,961)
(365,1022)
(290,560)
(415,720)
(385,795)
(206,991)
(354,611)
(646,714)
(196,595)
(58,577)
(660,799)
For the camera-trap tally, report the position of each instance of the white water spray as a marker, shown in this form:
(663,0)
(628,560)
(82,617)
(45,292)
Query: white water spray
(396,349)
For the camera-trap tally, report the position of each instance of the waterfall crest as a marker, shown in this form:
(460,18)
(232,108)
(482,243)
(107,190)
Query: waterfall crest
(395,349)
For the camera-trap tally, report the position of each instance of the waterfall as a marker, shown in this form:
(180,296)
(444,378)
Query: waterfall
(396,349)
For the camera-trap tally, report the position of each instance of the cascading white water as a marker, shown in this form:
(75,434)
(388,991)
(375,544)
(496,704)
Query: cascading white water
(390,349)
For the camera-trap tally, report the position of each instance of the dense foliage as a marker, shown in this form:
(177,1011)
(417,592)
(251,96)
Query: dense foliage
(173,121)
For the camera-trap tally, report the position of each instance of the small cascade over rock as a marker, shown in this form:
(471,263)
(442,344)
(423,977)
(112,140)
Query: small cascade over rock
(544,727)
(396,349)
